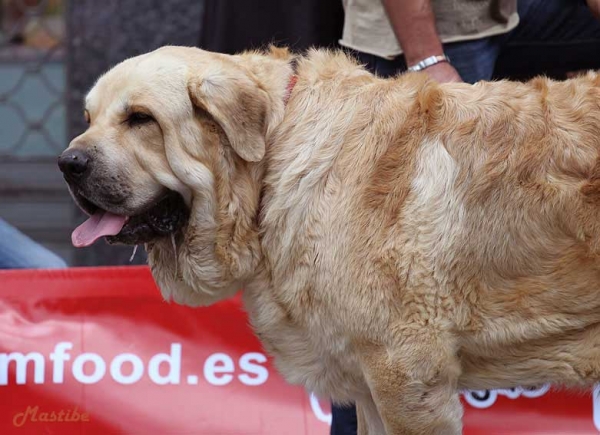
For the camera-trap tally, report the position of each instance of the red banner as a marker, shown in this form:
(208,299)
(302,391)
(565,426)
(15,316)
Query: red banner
(97,351)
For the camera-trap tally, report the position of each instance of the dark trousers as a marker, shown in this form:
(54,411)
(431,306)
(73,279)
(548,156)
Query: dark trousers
(554,37)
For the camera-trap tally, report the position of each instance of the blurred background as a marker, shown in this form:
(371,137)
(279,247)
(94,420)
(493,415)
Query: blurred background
(52,51)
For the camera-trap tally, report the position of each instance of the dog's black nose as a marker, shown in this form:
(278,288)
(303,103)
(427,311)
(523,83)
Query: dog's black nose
(73,163)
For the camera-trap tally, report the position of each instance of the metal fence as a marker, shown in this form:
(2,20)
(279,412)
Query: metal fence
(32,78)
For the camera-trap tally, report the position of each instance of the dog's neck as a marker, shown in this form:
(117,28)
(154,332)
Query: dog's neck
(237,245)
(275,72)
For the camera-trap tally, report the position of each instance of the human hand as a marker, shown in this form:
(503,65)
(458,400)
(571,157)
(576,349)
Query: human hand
(594,6)
(443,72)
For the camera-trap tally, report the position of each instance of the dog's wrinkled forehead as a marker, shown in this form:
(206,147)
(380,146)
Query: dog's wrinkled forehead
(153,78)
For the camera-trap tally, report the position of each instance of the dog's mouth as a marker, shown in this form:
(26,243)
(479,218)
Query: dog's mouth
(162,218)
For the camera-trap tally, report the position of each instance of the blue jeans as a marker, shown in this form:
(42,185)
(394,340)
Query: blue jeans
(554,37)
(17,251)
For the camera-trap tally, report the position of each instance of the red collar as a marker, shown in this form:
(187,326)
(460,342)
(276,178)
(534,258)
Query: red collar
(290,88)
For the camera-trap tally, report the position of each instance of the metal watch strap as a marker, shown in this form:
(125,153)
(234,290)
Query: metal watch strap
(427,62)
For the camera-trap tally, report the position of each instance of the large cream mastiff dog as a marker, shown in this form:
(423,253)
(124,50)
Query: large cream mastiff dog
(397,240)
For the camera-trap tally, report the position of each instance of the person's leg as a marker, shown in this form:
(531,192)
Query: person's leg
(554,37)
(343,420)
(17,251)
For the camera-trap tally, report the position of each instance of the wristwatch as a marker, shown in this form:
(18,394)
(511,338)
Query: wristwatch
(427,62)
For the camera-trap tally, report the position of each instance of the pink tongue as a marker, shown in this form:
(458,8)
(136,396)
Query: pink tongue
(101,224)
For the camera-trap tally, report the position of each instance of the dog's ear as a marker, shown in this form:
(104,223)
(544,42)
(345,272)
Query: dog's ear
(238,104)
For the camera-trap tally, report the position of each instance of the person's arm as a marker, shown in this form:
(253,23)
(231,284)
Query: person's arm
(414,25)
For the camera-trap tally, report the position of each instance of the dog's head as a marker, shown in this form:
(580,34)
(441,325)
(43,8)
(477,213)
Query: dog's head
(165,129)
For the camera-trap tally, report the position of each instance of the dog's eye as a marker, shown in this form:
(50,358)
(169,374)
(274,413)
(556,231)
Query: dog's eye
(138,118)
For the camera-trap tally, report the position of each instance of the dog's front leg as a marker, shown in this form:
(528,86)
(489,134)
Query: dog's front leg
(414,384)
(368,419)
